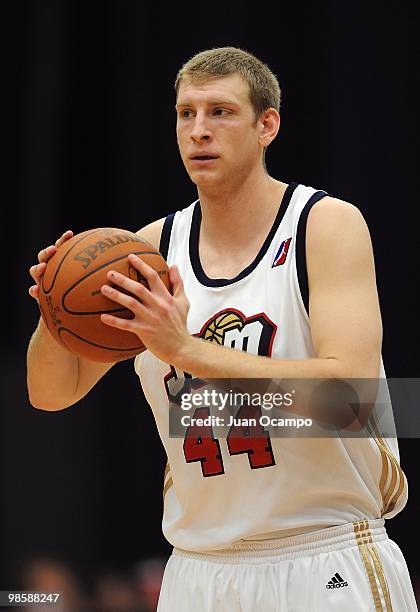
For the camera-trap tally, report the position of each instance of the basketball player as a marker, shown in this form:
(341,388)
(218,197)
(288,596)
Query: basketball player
(291,270)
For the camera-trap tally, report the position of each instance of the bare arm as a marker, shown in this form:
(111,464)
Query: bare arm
(56,378)
(344,312)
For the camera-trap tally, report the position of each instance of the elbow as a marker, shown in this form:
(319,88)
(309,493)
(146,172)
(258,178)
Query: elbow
(48,404)
(354,387)
(48,407)
(336,368)
(342,368)
(41,397)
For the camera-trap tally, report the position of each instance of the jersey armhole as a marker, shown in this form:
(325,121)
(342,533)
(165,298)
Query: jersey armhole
(166,235)
(302,272)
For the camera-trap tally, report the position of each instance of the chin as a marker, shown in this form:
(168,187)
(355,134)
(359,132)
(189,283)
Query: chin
(204,179)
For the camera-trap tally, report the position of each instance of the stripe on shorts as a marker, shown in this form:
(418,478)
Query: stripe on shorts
(375,572)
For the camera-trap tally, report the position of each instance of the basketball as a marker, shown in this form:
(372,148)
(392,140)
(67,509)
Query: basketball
(70,297)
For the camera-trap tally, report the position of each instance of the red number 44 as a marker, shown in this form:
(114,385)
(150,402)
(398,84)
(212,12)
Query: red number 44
(201,445)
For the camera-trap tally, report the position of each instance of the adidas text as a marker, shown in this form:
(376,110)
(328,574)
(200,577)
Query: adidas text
(336,582)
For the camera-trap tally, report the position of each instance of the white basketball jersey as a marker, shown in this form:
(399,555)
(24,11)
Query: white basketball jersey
(310,483)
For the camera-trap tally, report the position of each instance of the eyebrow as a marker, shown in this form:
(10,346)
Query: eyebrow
(209,102)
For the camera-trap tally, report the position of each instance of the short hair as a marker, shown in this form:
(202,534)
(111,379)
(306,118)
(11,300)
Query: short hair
(264,89)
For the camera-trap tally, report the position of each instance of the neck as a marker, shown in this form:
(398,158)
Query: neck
(230,216)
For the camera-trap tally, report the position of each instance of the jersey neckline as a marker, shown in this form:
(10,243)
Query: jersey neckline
(195,233)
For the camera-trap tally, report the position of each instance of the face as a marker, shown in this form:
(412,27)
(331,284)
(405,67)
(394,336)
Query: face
(218,136)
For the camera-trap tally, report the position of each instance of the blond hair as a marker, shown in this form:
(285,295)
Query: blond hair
(264,89)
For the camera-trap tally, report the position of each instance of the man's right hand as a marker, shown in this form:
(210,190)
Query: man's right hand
(57,378)
(44,255)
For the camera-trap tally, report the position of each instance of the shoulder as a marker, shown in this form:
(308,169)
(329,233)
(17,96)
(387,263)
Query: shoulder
(338,243)
(152,232)
(333,221)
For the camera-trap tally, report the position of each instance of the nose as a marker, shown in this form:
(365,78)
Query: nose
(200,130)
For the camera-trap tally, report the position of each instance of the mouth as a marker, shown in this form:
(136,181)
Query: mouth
(203,160)
(203,157)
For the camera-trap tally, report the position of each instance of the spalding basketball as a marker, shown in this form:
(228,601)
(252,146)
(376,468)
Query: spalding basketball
(70,297)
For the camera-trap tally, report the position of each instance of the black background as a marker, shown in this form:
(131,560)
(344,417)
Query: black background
(88,134)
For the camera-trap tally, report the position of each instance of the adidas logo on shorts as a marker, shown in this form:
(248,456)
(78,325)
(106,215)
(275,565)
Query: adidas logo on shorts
(336,582)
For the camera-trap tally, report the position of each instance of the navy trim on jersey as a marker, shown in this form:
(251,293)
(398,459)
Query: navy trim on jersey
(194,236)
(302,272)
(166,235)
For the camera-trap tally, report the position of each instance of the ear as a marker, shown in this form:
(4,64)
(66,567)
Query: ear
(268,125)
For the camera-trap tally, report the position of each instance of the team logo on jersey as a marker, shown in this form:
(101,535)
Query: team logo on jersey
(280,258)
(231,328)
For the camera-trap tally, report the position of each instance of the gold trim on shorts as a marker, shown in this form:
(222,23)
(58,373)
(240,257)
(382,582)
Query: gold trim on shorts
(375,572)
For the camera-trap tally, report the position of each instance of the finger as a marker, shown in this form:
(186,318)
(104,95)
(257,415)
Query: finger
(152,277)
(119,323)
(37,271)
(34,291)
(45,254)
(66,236)
(128,301)
(176,281)
(132,286)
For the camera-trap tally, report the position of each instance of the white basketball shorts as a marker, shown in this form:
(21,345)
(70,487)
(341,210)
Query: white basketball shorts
(350,568)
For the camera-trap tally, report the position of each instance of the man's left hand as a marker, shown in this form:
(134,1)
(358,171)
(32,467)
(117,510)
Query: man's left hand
(160,319)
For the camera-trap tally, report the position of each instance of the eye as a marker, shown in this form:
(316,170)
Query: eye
(185,113)
(220,111)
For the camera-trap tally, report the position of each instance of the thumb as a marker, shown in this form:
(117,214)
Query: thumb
(176,281)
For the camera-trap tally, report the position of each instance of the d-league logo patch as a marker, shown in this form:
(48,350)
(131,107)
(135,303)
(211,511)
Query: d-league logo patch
(336,582)
(280,258)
